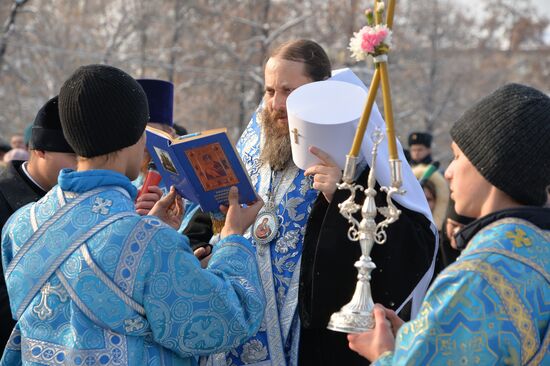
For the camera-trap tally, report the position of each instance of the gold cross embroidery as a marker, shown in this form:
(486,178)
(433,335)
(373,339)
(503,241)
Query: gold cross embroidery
(519,238)
(296,134)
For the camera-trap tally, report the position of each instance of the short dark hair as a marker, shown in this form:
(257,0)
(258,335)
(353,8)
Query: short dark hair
(317,63)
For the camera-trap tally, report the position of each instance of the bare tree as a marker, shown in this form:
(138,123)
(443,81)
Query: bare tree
(427,36)
(8,25)
(512,25)
(213,51)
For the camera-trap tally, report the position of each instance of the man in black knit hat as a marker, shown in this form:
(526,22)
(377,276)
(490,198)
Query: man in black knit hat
(491,306)
(91,281)
(28,181)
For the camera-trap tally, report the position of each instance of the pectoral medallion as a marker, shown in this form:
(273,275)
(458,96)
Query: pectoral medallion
(266,225)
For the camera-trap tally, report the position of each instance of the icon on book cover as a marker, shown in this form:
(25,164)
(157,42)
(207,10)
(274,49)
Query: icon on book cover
(211,166)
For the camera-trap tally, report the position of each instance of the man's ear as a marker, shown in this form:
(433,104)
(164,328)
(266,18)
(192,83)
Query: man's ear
(41,153)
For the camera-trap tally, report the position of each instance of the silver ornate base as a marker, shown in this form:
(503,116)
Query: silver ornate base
(348,321)
(356,316)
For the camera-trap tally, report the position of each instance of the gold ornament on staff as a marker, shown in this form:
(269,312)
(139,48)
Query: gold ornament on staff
(372,40)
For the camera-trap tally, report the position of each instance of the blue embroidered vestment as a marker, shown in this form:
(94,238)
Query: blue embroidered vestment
(491,307)
(276,343)
(131,293)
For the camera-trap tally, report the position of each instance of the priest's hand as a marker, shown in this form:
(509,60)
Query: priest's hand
(326,174)
(238,218)
(374,343)
(147,200)
(169,209)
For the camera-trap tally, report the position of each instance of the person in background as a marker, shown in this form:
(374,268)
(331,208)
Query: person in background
(17,142)
(160,98)
(431,194)
(490,307)
(448,249)
(420,148)
(436,190)
(28,181)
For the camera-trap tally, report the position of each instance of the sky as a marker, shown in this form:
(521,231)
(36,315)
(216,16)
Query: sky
(542,5)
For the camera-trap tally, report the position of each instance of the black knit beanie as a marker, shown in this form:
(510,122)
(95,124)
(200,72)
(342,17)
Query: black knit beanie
(46,133)
(506,136)
(102,110)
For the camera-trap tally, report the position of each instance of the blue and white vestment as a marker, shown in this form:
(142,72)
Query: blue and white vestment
(491,307)
(102,285)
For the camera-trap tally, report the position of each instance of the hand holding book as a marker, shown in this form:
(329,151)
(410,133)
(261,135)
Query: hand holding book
(237,217)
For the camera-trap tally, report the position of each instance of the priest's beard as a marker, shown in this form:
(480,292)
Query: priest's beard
(276,150)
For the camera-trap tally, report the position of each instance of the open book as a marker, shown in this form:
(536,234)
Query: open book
(202,166)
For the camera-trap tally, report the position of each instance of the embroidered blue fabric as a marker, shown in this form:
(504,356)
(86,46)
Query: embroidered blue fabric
(277,341)
(488,308)
(131,294)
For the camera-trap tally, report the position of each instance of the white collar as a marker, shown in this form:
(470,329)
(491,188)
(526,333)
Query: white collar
(24,168)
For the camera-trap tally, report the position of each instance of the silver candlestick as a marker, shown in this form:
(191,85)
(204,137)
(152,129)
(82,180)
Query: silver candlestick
(357,316)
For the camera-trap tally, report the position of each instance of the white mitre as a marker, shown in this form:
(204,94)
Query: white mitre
(323,114)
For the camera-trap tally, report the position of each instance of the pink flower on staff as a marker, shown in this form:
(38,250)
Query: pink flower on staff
(372,41)
(372,38)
